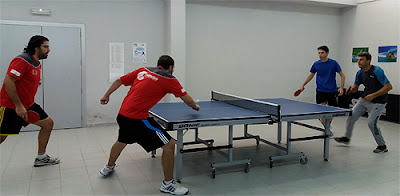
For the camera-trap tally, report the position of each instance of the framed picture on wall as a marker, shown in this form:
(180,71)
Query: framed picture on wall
(387,54)
(356,51)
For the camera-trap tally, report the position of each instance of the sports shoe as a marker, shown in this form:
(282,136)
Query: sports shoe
(343,140)
(173,188)
(47,160)
(107,170)
(380,149)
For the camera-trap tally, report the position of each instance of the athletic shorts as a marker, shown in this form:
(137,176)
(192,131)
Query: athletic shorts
(11,123)
(147,133)
(329,98)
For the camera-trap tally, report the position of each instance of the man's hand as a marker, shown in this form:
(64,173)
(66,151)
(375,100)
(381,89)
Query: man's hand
(104,100)
(340,90)
(21,112)
(197,107)
(302,88)
(369,98)
(349,90)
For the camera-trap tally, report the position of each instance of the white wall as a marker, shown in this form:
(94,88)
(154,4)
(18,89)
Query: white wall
(371,24)
(105,21)
(175,34)
(254,49)
(258,49)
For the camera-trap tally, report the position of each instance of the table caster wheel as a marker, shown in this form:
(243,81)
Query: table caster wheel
(304,160)
(247,168)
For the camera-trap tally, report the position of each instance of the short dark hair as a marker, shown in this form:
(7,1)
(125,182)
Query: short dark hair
(165,61)
(34,42)
(324,48)
(366,54)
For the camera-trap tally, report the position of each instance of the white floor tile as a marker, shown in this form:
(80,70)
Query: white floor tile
(351,170)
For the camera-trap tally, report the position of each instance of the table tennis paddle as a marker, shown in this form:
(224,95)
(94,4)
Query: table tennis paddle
(348,90)
(297,93)
(33,116)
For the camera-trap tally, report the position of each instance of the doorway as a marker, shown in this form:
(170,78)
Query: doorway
(61,92)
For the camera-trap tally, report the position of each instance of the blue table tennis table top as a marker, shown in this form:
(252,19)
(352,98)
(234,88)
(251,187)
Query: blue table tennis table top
(179,112)
(178,117)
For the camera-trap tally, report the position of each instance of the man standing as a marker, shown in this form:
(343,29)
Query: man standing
(148,86)
(17,96)
(326,70)
(373,100)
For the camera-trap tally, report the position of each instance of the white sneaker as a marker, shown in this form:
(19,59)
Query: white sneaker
(173,188)
(47,160)
(107,170)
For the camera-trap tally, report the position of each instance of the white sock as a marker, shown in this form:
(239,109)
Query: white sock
(41,156)
(167,182)
(111,167)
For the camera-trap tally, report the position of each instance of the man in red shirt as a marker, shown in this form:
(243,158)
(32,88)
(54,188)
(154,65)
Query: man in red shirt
(148,86)
(17,96)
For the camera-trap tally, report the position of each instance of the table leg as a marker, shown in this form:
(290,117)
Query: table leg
(279,132)
(326,140)
(179,155)
(230,142)
(288,137)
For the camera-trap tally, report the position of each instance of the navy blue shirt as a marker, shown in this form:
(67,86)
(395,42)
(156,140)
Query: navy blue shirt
(326,75)
(373,80)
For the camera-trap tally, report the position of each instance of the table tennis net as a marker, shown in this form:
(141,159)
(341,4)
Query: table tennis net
(251,104)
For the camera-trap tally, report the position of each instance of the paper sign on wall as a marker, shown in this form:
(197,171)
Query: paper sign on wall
(116,61)
(139,52)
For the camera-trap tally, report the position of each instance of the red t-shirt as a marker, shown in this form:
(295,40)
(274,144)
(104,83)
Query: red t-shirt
(149,86)
(26,70)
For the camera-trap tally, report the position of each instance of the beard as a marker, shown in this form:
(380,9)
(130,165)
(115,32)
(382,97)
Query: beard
(43,55)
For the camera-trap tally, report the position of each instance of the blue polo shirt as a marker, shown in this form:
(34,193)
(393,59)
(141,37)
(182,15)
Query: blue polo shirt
(326,75)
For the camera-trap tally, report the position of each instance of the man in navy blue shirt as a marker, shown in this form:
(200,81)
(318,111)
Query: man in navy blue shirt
(326,70)
(373,100)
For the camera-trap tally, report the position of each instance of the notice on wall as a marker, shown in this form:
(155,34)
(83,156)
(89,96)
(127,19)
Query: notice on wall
(139,52)
(116,61)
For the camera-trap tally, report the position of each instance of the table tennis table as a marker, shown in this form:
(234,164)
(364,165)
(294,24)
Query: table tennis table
(229,110)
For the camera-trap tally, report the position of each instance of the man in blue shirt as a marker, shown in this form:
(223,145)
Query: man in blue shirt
(326,70)
(373,100)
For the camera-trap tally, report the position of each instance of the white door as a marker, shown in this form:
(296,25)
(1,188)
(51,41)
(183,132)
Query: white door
(62,76)
(14,38)
(60,92)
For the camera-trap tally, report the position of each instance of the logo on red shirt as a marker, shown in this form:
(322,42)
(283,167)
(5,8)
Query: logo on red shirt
(141,75)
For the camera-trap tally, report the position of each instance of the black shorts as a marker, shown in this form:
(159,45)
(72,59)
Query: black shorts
(147,133)
(11,123)
(329,98)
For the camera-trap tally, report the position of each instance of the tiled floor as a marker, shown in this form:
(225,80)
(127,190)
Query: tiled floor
(351,170)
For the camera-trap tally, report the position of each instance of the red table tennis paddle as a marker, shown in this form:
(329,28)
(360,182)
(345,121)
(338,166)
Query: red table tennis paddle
(33,116)
(297,93)
(348,90)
